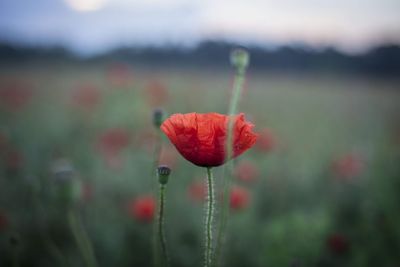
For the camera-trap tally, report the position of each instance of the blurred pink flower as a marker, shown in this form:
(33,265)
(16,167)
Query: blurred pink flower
(15,96)
(120,74)
(3,142)
(87,192)
(266,141)
(3,222)
(112,141)
(197,191)
(156,93)
(142,208)
(348,166)
(246,171)
(13,160)
(239,198)
(86,96)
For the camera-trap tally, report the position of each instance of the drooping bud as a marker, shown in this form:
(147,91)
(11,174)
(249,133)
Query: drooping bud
(240,58)
(163,172)
(158,115)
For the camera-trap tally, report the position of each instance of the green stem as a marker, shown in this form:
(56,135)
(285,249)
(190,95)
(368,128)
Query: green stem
(81,238)
(156,152)
(237,91)
(15,257)
(156,161)
(209,219)
(161,234)
(48,241)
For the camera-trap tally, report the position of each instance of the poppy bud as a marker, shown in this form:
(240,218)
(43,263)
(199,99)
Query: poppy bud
(240,58)
(163,174)
(158,115)
(14,240)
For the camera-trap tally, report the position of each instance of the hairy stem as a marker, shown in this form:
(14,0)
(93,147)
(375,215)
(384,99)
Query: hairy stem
(161,232)
(209,219)
(156,160)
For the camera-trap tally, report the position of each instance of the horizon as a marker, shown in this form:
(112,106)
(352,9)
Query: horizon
(90,27)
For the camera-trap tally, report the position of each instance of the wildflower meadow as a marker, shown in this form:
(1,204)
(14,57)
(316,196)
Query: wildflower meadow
(116,164)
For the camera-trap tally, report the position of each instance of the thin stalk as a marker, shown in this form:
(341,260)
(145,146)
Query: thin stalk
(237,91)
(156,152)
(156,161)
(209,219)
(161,232)
(48,241)
(81,238)
(15,257)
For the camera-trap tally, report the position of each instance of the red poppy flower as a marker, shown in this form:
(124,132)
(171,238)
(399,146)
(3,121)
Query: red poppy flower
(13,160)
(87,192)
(338,243)
(142,208)
(266,141)
(112,141)
(246,171)
(119,74)
(3,142)
(348,166)
(3,221)
(15,96)
(86,96)
(239,198)
(201,138)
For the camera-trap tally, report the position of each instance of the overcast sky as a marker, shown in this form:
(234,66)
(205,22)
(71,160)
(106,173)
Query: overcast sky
(96,25)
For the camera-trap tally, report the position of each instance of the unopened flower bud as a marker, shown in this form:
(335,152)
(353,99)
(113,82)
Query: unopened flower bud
(14,240)
(240,58)
(163,174)
(158,115)
(62,170)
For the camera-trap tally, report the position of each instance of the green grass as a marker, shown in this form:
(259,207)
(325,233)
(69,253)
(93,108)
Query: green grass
(296,203)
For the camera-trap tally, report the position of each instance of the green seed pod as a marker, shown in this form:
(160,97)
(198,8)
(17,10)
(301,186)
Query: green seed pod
(240,58)
(163,174)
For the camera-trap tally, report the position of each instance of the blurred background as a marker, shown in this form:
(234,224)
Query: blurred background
(80,81)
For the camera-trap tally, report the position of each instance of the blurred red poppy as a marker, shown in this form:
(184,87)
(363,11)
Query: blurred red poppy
(246,171)
(197,191)
(112,141)
(87,192)
(239,198)
(3,142)
(156,93)
(201,138)
(348,166)
(119,74)
(142,208)
(337,243)
(15,96)
(3,221)
(13,160)
(266,141)
(86,96)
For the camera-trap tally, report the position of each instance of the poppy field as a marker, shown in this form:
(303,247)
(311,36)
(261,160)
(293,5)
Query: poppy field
(315,178)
